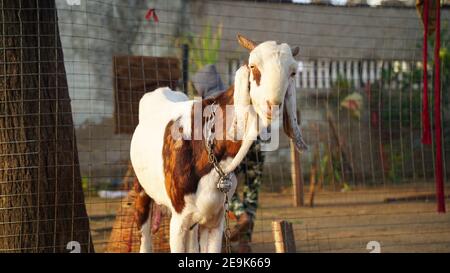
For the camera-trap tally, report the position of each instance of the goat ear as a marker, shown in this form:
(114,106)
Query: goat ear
(246,43)
(241,86)
(245,119)
(290,124)
(241,99)
(295,51)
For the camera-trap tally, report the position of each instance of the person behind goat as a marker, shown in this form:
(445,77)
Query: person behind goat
(207,83)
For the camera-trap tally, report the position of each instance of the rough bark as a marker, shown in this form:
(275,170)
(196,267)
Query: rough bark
(41,199)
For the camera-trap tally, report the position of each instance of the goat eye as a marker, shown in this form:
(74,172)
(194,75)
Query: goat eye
(292,74)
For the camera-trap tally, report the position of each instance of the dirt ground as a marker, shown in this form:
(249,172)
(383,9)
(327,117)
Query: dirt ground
(338,222)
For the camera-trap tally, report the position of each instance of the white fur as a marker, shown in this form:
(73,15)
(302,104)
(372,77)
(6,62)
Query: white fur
(276,64)
(205,207)
(203,213)
(156,110)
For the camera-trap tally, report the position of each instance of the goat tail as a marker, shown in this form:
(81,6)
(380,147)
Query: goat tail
(143,208)
(142,205)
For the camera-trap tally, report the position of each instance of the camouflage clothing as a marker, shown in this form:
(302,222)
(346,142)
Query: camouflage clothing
(251,167)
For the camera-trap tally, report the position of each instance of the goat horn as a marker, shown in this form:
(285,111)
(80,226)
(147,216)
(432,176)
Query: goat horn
(246,43)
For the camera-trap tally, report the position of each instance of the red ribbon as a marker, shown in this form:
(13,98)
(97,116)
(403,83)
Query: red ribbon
(437,115)
(150,13)
(426,128)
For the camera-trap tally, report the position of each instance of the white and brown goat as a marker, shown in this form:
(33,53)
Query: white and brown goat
(175,171)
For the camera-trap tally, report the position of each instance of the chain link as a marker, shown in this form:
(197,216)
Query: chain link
(227,226)
(224,183)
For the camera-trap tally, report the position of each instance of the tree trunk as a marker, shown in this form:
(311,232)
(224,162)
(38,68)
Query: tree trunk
(42,204)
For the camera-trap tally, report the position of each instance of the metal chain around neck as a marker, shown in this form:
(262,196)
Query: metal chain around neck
(224,182)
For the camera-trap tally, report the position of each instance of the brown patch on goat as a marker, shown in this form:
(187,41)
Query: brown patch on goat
(186,161)
(223,148)
(178,172)
(256,74)
(142,205)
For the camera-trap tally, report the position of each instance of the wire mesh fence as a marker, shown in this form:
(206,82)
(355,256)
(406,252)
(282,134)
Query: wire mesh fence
(73,74)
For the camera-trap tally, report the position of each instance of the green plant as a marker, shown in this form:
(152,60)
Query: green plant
(402,103)
(340,88)
(329,169)
(204,48)
(85,183)
(396,166)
